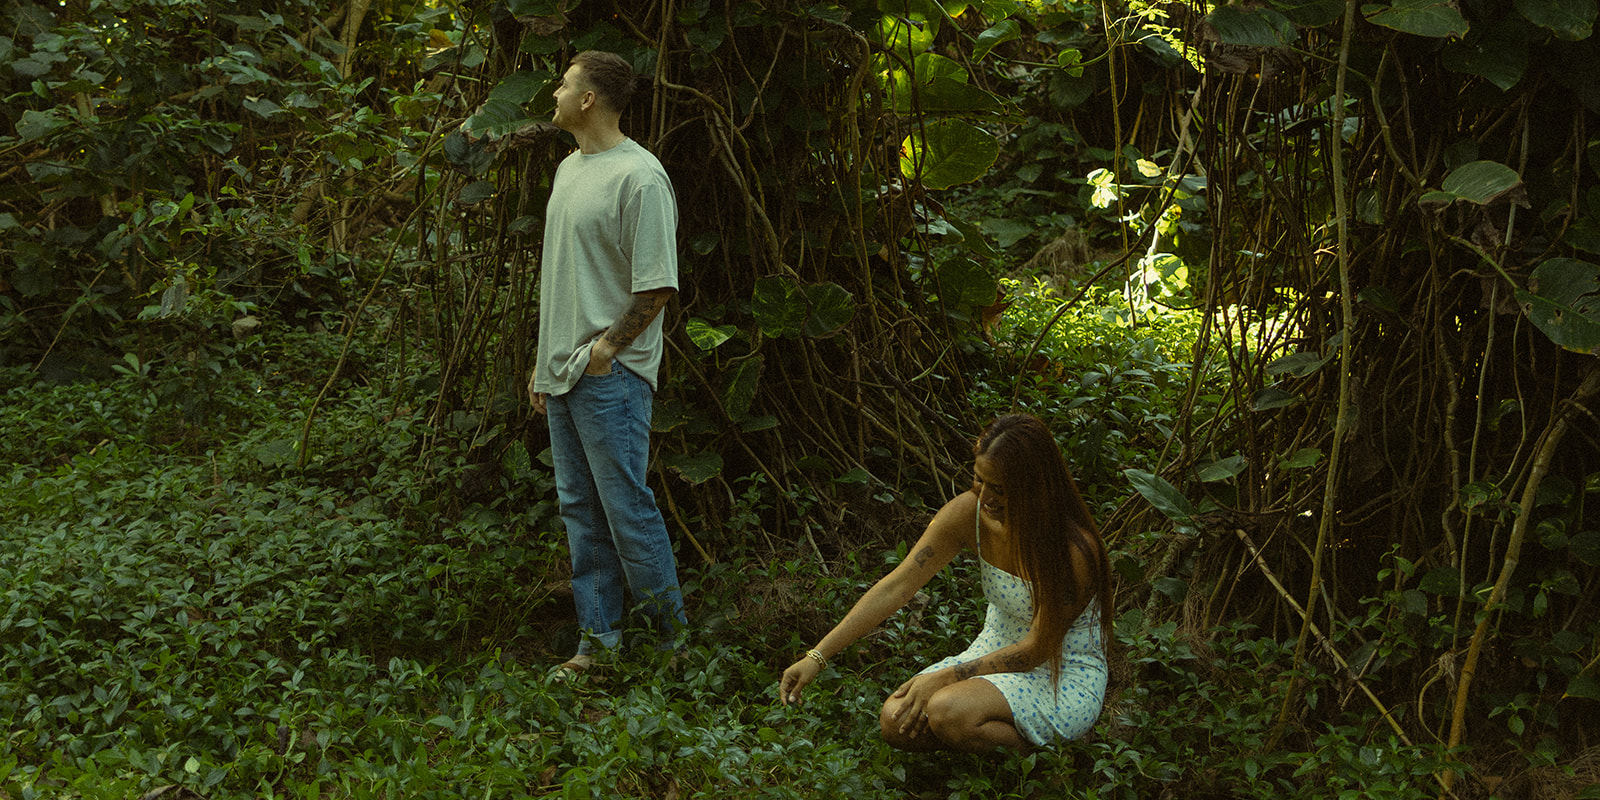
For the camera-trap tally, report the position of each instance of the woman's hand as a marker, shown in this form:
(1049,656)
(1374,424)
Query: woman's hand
(912,715)
(796,677)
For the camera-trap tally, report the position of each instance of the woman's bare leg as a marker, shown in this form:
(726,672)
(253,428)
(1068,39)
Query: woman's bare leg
(920,739)
(970,715)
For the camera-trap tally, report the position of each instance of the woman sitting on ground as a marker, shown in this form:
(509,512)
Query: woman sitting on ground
(1036,674)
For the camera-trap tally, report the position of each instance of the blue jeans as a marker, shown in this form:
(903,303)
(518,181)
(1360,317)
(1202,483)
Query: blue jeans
(600,439)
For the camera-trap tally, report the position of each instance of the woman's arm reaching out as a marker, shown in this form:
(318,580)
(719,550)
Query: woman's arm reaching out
(951,530)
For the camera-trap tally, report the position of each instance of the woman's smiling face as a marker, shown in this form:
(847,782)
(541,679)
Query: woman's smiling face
(991,493)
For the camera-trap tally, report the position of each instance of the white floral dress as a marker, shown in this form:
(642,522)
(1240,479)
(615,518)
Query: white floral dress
(1043,712)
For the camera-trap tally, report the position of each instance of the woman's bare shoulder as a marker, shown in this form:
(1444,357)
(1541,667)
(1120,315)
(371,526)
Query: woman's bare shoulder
(964,503)
(954,520)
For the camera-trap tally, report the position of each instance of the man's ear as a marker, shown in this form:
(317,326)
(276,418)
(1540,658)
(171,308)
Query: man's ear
(589,99)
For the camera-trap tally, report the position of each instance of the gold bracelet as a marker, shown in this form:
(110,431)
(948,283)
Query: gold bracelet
(816,655)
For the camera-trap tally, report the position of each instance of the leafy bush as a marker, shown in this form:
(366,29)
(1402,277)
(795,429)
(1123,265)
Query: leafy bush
(1108,384)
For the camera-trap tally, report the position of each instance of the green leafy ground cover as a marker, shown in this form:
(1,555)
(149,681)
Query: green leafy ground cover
(183,607)
(186,602)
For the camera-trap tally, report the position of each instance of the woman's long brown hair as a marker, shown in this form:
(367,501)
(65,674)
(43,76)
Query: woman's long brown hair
(1047,520)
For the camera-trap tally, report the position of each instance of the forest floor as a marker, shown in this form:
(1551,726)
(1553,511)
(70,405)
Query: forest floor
(187,613)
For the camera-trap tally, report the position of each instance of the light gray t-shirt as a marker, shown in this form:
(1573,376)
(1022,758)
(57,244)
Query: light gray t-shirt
(610,231)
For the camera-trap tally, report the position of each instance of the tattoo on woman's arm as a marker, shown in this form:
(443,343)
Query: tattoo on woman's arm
(924,556)
(1008,662)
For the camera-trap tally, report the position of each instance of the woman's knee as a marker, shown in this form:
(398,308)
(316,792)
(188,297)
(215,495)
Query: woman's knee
(971,715)
(948,715)
(888,723)
(886,720)
(889,726)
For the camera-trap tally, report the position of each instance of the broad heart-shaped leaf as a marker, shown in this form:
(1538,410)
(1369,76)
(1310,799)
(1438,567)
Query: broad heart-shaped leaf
(1001,32)
(175,298)
(516,462)
(929,66)
(785,309)
(1563,300)
(696,468)
(1222,469)
(1163,495)
(779,307)
(668,414)
(1434,18)
(1007,232)
(521,86)
(1270,398)
(941,95)
(971,236)
(964,282)
(503,111)
(936,85)
(262,107)
(34,124)
(1481,182)
(707,336)
(475,193)
(948,152)
(1302,458)
(1497,53)
(1584,235)
(1258,27)
(1070,60)
(497,117)
(908,34)
(1572,20)
(1298,364)
(1589,689)
(739,386)
(832,306)
(465,154)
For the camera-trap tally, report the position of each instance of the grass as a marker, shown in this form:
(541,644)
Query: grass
(182,608)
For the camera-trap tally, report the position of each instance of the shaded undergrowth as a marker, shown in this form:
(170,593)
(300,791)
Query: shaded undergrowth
(183,607)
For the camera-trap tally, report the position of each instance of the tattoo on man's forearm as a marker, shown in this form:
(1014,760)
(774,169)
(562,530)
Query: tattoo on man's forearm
(924,556)
(634,321)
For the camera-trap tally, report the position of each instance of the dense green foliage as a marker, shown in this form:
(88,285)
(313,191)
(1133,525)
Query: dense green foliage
(283,254)
(182,608)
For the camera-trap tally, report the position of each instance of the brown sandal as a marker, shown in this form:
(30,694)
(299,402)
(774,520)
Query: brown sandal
(572,668)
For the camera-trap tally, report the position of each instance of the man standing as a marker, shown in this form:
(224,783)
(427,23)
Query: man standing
(609,266)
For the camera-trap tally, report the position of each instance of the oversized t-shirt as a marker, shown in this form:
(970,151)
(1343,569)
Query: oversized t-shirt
(610,231)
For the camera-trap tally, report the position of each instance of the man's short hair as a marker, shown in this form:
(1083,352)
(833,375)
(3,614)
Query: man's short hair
(609,76)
